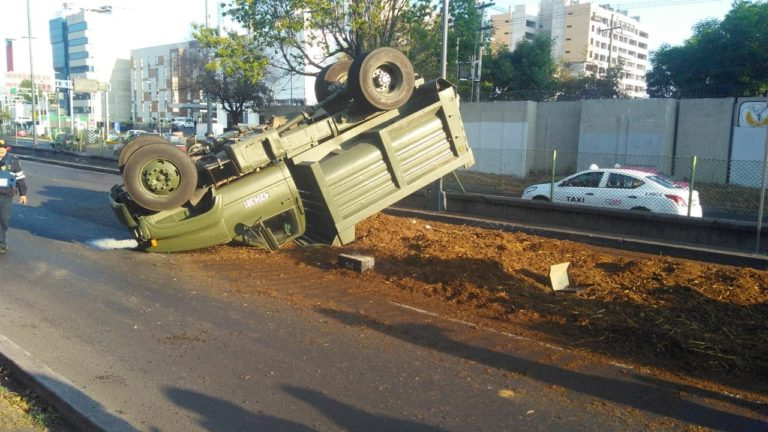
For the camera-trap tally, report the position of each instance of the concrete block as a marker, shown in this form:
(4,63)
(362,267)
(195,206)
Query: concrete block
(358,263)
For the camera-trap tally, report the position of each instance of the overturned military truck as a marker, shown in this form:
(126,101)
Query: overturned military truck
(379,134)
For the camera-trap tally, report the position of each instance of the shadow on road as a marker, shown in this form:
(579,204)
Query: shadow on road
(64,213)
(218,415)
(643,393)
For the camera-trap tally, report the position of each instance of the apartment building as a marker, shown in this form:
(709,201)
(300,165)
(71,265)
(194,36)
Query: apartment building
(159,88)
(587,37)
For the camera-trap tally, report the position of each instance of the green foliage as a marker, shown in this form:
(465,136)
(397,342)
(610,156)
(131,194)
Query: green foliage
(591,86)
(527,73)
(294,29)
(228,68)
(421,41)
(5,116)
(722,58)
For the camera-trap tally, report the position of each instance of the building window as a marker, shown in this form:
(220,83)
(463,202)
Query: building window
(78,41)
(78,55)
(76,27)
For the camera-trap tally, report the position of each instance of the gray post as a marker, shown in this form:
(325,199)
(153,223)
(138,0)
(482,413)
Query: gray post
(32,80)
(208,104)
(438,194)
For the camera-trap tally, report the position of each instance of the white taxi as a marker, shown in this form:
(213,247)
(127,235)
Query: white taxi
(620,188)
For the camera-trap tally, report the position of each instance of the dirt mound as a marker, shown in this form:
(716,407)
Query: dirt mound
(703,321)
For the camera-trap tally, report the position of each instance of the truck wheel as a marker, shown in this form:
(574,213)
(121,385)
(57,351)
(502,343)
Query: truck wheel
(160,177)
(382,79)
(329,80)
(133,145)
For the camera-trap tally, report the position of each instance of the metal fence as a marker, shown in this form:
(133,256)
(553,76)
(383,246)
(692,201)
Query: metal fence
(726,189)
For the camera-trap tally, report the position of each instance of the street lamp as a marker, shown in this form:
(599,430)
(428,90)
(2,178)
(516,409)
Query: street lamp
(208,105)
(32,80)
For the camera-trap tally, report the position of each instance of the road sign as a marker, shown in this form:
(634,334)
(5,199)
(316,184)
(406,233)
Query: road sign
(85,85)
(66,84)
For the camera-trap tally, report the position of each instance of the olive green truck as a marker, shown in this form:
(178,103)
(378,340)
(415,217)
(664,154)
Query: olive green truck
(379,134)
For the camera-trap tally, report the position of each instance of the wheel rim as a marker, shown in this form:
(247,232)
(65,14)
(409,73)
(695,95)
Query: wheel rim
(160,177)
(386,79)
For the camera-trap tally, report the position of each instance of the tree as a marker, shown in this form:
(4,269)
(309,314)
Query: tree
(308,32)
(5,117)
(230,69)
(721,58)
(591,86)
(527,73)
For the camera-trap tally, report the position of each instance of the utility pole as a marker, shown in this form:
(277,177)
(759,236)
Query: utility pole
(208,105)
(610,30)
(479,48)
(438,195)
(32,80)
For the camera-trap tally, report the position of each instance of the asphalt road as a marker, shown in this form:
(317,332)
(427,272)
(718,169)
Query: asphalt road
(132,342)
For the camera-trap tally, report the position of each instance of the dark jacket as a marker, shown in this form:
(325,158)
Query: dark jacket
(12,164)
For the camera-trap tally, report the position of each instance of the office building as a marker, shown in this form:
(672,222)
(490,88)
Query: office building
(83,48)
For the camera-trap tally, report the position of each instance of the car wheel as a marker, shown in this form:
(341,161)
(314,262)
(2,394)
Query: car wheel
(329,80)
(382,79)
(134,145)
(640,209)
(160,177)
(540,198)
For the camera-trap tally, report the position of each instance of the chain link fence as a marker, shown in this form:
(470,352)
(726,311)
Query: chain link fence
(726,189)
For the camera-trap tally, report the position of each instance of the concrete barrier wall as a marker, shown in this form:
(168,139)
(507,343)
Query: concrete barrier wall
(704,130)
(517,137)
(636,132)
(500,133)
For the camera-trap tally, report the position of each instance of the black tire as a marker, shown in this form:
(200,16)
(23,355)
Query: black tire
(160,177)
(642,209)
(540,198)
(382,79)
(329,80)
(135,144)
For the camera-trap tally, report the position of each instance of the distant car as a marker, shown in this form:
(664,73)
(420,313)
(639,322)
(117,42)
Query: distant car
(166,137)
(113,139)
(64,142)
(619,188)
(176,140)
(189,124)
(134,133)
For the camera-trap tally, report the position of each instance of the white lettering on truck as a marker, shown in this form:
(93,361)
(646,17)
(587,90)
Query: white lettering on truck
(257,199)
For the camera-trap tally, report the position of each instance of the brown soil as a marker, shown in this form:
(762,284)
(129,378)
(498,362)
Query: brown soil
(696,320)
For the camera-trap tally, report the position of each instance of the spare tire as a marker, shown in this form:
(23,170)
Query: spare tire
(329,80)
(160,177)
(382,79)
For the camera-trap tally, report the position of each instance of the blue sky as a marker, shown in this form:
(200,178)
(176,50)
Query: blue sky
(144,23)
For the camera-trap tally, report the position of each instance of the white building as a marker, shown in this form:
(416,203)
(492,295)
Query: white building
(587,37)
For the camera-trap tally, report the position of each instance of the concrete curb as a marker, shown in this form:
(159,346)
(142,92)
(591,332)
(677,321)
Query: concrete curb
(76,407)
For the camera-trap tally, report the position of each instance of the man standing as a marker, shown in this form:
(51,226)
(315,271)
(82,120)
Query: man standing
(11,179)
